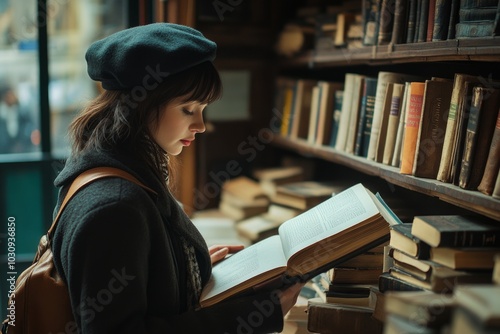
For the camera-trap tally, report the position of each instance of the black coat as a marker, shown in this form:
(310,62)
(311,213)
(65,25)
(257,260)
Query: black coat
(117,247)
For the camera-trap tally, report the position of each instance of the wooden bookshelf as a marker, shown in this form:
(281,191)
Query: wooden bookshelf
(467,199)
(476,49)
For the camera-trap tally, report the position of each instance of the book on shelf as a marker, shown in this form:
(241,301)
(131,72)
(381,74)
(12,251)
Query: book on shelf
(451,143)
(481,302)
(398,144)
(400,22)
(456,231)
(393,122)
(412,19)
(492,162)
(454,8)
(301,108)
(404,240)
(412,125)
(430,136)
(264,225)
(442,279)
(422,16)
(386,109)
(339,228)
(386,22)
(430,20)
(383,79)
(370,10)
(285,88)
(337,110)
(465,258)
(357,95)
(337,318)
(365,116)
(313,114)
(477,14)
(485,24)
(345,115)
(479,133)
(304,195)
(326,111)
(425,308)
(441,20)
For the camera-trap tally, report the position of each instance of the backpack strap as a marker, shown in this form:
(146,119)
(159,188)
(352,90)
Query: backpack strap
(88,177)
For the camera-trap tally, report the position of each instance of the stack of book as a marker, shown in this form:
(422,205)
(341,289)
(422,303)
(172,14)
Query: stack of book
(272,177)
(242,197)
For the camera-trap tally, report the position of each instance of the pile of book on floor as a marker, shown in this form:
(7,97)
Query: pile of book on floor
(441,276)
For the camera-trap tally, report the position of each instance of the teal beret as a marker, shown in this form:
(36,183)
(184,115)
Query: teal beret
(145,55)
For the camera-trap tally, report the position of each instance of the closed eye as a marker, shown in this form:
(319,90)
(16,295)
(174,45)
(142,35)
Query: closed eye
(188,112)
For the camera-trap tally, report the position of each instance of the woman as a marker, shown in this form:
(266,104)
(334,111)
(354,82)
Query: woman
(134,262)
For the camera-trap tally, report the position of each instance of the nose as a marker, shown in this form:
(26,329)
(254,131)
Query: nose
(199,125)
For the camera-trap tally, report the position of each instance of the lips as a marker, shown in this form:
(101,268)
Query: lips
(186,142)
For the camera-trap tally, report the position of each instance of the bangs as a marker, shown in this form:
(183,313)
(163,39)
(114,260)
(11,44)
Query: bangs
(201,83)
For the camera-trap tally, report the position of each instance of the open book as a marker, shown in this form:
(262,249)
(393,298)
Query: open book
(333,231)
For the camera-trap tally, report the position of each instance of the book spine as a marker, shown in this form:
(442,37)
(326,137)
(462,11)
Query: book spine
(430,20)
(313,115)
(477,3)
(287,110)
(493,162)
(346,111)
(444,171)
(432,128)
(379,151)
(339,95)
(400,19)
(422,25)
(393,122)
(470,137)
(386,22)
(355,109)
(370,9)
(455,6)
(486,128)
(396,157)
(412,126)
(441,20)
(370,105)
(387,282)
(412,17)
(470,239)
(474,29)
(417,21)
(477,14)
(362,120)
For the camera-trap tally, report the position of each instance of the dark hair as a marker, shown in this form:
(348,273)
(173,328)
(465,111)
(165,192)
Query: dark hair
(115,118)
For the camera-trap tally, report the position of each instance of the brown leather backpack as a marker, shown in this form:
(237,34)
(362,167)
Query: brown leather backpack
(40,301)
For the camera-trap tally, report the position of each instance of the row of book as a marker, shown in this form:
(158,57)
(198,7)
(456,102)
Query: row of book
(445,280)
(353,24)
(439,128)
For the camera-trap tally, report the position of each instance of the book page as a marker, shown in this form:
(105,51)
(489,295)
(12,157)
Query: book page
(332,216)
(252,261)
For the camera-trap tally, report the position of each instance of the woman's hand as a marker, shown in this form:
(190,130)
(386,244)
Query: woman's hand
(288,297)
(219,252)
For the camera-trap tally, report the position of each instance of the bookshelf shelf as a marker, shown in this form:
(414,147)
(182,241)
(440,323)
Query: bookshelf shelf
(467,199)
(477,49)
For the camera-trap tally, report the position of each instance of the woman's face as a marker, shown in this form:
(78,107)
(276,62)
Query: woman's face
(179,122)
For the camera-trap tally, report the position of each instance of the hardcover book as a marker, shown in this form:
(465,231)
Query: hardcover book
(456,231)
(321,238)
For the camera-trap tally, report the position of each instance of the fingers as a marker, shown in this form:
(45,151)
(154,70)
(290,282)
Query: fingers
(218,254)
(231,248)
